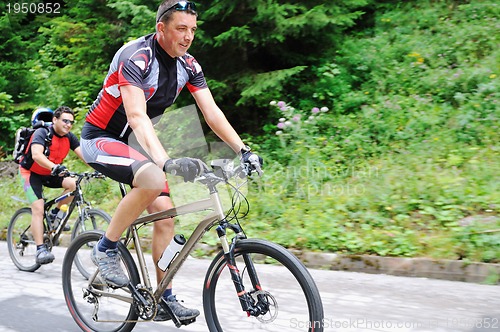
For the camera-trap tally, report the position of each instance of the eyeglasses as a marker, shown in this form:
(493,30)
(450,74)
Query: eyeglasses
(180,6)
(68,122)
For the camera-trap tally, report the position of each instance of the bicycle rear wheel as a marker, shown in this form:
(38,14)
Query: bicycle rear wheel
(93,305)
(20,241)
(92,219)
(283,285)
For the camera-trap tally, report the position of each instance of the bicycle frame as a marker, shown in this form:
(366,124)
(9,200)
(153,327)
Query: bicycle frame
(216,216)
(208,222)
(77,201)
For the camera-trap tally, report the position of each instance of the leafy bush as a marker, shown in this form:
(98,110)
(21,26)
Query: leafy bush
(408,150)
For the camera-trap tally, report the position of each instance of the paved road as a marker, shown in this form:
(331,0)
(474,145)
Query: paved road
(352,301)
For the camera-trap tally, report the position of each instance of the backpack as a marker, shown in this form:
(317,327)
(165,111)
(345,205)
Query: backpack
(42,118)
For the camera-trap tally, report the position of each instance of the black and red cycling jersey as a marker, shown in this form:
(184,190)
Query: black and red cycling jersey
(58,149)
(143,63)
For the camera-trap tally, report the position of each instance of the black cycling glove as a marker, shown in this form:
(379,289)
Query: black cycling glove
(58,170)
(253,160)
(188,168)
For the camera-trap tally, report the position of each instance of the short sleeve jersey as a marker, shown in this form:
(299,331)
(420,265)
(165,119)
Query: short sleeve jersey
(143,63)
(58,150)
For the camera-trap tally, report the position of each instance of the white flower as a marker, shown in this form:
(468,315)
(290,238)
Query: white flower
(311,117)
(324,109)
(282,119)
(279,132)
(288,123)
(272,103)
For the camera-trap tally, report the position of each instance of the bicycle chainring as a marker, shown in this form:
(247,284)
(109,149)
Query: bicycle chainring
(145,312)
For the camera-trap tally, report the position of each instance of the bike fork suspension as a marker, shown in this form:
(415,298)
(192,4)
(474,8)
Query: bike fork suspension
(246,301)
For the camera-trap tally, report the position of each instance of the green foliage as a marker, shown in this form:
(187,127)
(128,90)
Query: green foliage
(409,150)
(250,48)
(139,16)
(258,48)
(16,46)
(7,122)
(261,83)
(76,55)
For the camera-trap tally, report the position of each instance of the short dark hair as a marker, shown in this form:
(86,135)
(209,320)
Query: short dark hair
(166,15)
(63,109)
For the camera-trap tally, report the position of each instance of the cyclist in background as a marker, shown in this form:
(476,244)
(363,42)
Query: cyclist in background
(42,166)
(145,77)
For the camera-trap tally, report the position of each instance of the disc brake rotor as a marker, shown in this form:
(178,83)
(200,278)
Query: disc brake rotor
(264,298)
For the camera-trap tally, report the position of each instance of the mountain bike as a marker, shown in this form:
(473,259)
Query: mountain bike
(22,246)
(251,284)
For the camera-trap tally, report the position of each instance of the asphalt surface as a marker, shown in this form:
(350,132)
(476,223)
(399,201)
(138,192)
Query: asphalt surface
(352,301)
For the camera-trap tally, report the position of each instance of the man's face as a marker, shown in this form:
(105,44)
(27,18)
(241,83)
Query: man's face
(63,125)
(176,36)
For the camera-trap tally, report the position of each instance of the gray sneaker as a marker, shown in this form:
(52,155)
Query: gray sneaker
(109,266)
(44,256)
(183,313)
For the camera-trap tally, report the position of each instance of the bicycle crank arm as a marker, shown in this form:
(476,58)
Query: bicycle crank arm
(137,295)
(169,311)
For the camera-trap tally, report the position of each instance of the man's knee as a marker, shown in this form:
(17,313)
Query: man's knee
(69,184)
(150,176)
(37,206)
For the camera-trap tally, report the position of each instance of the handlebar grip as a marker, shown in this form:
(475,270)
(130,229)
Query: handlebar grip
(98,175)
(66,173)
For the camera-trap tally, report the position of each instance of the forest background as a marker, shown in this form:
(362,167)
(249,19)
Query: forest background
(377,120)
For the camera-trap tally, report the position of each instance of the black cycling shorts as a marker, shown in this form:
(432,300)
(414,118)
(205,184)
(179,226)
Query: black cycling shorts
(33,183)
(112,156)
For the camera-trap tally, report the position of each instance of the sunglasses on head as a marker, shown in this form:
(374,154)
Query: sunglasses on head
(68,122)
(180,6)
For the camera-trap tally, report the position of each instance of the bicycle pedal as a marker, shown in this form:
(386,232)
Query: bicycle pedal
(188,321)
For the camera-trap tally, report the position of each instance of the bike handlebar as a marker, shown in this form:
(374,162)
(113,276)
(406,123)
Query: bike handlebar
(84,175)
(222,170)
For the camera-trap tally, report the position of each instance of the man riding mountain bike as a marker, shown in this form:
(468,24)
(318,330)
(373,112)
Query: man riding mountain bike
(145,77)
(42,166)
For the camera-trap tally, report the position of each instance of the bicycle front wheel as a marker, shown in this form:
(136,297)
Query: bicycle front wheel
(275,279)
(91,302)
(20,241)
(92,219)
